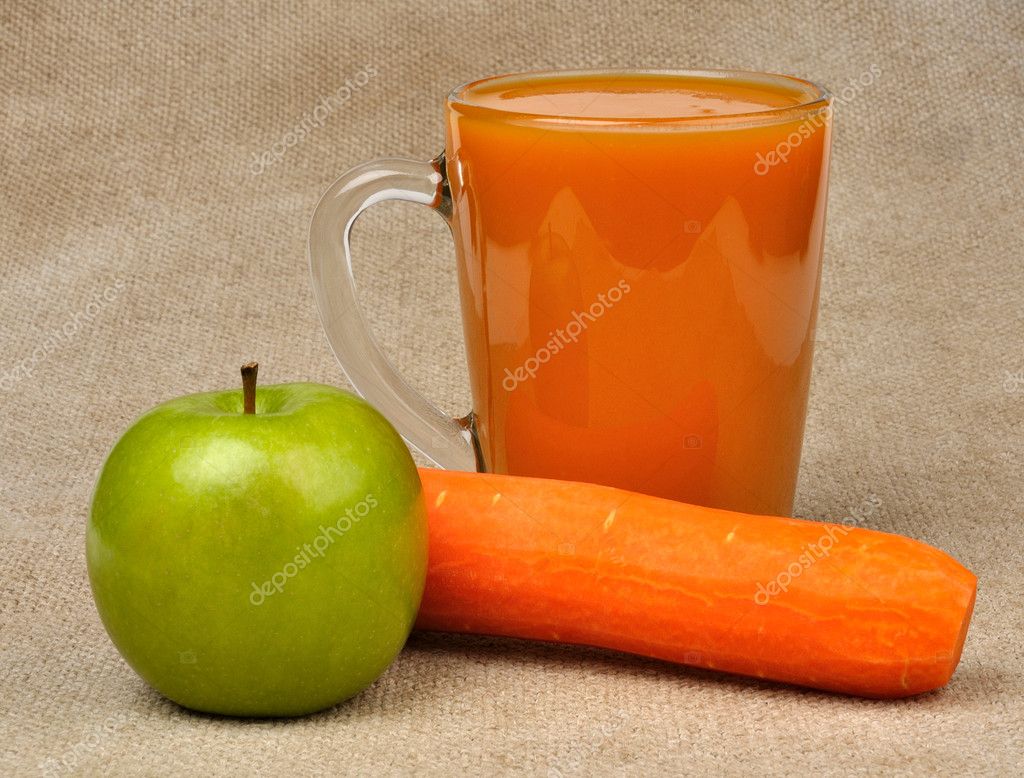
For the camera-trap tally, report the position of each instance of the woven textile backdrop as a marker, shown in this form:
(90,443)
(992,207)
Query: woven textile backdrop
(153,238)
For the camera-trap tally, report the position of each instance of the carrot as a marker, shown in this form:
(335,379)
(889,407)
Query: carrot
(828,606)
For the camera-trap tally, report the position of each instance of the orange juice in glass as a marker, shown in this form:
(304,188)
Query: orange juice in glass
(639,255)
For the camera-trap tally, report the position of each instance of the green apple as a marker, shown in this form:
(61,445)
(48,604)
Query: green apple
(259,553)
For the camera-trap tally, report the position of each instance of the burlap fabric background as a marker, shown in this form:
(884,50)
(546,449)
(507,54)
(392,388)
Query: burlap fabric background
(149,248)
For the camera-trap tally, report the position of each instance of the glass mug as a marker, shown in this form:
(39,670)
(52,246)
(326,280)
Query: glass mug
(639,256)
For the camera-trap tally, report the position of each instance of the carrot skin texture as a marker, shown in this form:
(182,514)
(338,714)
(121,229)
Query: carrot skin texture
(851,610)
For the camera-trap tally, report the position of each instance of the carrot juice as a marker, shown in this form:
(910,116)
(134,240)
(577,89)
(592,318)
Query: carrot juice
(639,257)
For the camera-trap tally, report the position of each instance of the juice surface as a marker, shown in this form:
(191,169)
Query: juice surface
(640,293)
(651,97)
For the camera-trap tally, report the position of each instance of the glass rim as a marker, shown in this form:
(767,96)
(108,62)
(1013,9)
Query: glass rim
(817,98)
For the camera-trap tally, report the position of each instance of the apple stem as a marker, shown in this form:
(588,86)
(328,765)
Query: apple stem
(249,370)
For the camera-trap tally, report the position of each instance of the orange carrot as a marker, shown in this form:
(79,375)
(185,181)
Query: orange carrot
(828,606)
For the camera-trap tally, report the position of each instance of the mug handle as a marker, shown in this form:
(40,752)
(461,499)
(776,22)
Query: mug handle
(448,442)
